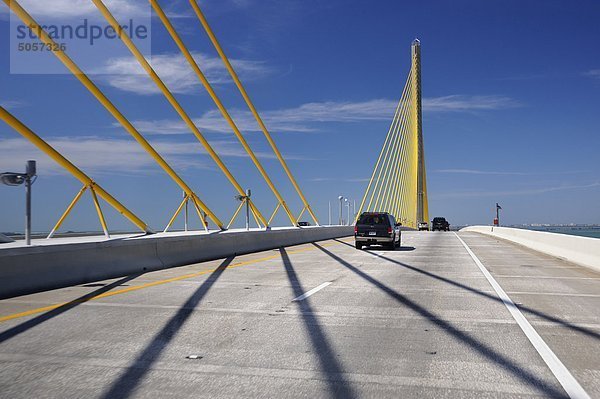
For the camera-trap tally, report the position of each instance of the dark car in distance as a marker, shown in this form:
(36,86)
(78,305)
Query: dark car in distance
(440,224)
(377,228)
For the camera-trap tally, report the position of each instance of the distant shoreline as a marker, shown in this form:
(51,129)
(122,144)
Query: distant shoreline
(592,231)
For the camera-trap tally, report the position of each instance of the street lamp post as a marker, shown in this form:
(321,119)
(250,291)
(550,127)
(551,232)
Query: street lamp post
(348,211)
(498,207)
(29,173)
(246,200)
(185,215)
(248,194)
(16,179)
(341,202)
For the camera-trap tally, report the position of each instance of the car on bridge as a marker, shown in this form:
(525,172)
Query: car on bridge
(379,228)
(423,226)
(440,223)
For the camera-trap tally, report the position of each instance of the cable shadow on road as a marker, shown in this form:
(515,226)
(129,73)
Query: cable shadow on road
(128,382)
(16,330)
(331,367)
(493,297)
(466,338)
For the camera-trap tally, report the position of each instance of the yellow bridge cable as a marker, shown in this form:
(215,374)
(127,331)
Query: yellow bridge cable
(377,192)
(101,97)
(17,125)
(397,161)
(397,178)
(406,129)
(388,165)
(400,178)
(392,198)
(407,175)
(251,106)
(407,172)
(171,98)
(379,181)
(394,158)
(382,198)
(379,158)
(383,165)
(213,95)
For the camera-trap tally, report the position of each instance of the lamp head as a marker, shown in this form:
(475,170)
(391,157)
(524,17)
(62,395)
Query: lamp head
(12,179)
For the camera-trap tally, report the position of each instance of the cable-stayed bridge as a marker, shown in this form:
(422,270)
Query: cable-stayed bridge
(290,311)
(398,184)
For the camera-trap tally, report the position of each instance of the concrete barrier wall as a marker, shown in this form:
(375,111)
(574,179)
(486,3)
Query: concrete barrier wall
(26,270)
(584,251)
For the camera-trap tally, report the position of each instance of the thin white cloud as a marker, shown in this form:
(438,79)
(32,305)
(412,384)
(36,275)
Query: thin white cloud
(99,155)
(535,191)
(12,104)
(593,73)
(297,119)
(506,173)
(531,76)
(462,103)
(123,156)
(479,172)
(212,121)
(306,117)
(125,73)
(64,9)
(241,3)
(332,111)
(348,180)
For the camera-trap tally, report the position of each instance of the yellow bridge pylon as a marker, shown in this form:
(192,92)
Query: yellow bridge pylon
(398,184)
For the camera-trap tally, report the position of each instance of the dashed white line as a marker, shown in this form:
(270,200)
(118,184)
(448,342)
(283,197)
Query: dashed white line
(309,293)
(562,374)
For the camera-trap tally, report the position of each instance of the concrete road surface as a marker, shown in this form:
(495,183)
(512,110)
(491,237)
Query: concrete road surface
(317,320)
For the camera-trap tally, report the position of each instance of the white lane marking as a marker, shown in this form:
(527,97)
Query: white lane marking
(309,293)
(548,277)
(562,374)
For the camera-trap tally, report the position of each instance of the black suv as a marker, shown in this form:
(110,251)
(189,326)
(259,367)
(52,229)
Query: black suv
(377,228)
(440,224)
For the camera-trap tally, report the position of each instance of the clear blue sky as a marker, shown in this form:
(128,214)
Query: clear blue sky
(511,108)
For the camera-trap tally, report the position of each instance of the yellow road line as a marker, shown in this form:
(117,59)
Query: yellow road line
(147,285)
